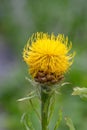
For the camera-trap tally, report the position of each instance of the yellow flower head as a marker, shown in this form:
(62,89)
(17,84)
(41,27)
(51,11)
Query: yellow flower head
(48,57)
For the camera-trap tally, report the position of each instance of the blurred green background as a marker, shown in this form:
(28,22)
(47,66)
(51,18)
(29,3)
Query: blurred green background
(18,20)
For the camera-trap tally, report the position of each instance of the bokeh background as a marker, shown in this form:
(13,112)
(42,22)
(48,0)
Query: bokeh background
(18,20)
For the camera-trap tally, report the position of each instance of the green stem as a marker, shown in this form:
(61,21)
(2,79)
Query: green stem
(45,101)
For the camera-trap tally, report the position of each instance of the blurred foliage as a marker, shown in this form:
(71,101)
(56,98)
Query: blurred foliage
(18,20)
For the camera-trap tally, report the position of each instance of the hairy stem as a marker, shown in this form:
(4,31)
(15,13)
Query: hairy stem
(45,102)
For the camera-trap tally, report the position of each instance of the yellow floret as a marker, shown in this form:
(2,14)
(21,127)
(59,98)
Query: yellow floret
(48,53)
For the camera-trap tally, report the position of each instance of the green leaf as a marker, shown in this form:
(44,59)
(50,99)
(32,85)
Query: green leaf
(26,98)
(29,96)
(82,92)
(51,108)
(65,83)
(27,122)
(33,107)
(69,123)
(32,82)
(59,120)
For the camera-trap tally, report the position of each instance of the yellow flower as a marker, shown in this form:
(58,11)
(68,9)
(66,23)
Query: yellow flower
(48,57)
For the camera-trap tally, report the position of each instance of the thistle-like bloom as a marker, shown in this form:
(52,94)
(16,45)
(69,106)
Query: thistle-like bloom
(48,57)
